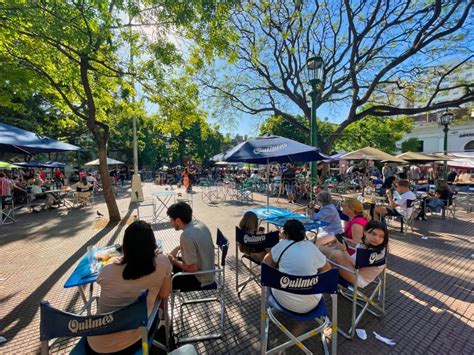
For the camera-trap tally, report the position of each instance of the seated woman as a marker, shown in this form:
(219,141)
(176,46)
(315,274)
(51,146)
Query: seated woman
(83,190)
(327,213)
(296,256)
(354,228)
(249,224)
(375,238)
(123,280)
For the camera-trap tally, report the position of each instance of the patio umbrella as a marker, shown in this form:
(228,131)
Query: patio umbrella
(369,153)
(54,164)
(109,162)
(415,156)
(32,164)
(17,140)
(266,149)
(462,163)
(8,166)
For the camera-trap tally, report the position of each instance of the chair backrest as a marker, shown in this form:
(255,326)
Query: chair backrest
(368,258)
(223,245)
(55,323)
(267,240)
(325,282)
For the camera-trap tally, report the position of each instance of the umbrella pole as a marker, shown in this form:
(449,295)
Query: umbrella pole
(268,182)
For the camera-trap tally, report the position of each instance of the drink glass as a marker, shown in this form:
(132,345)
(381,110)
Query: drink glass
(94,264)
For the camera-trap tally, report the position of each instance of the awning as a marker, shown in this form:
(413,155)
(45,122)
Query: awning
(109,162)
(17,140)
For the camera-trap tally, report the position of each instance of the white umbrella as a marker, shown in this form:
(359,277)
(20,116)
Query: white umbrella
(462,163)
(109,162)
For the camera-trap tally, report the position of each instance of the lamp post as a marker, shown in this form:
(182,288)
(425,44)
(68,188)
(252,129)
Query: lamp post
(445,120)
(314,73)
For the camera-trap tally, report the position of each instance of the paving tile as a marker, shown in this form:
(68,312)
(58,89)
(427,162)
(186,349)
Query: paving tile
(429,292)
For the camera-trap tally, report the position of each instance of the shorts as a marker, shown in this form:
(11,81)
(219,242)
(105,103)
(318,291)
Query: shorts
(392,212)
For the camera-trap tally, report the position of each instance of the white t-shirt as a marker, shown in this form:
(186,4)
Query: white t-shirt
(301,259)
(402,204)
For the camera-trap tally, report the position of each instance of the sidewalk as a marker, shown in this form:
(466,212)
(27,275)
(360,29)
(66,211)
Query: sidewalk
(429,291)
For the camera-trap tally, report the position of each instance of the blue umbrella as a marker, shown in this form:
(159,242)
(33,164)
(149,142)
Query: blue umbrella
(265,149)
(32,164)
(54,164)
(17,140)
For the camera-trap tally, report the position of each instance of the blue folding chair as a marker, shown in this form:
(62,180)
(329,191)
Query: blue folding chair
(219,285)
(262,241)
(364,258)
(55,323)
(325,282)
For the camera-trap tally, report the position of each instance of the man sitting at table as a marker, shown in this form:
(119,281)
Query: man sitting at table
(196,247)
(327,213)
(400,206)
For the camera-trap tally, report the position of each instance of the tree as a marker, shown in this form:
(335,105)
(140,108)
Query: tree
(71,50)
(381,133)
(411,145)
(368,48)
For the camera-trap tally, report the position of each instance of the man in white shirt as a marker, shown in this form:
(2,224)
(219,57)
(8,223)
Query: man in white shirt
(399,207)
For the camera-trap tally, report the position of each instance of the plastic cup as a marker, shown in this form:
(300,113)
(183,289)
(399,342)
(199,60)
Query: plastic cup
(94,264)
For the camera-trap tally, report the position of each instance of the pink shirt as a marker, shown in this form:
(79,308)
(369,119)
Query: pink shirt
(348,229)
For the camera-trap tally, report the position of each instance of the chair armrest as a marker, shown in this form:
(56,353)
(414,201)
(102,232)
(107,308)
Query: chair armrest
(155,311)
(183,273)
(340,266)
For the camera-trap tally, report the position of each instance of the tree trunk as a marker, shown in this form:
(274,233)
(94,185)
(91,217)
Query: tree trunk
(114,213)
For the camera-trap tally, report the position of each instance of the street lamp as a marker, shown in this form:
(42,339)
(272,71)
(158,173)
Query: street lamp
(445,120)
(314,73)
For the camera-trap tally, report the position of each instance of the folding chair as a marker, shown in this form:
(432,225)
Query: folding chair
(185,197)
(263,241)
(210,194)
(244,192)
(364,258)
(219,285)
(325,282)
(55,323)
(7,210)
(145,203)
(410,220)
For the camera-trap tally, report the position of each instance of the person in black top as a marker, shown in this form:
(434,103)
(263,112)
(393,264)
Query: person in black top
(289,179)
(442,197)
(452,176)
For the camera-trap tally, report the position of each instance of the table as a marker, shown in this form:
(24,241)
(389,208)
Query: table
(58,194)
(163,199)
(82,276)
(279,216)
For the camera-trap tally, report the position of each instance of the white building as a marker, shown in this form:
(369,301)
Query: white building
(416,91)
(431,136)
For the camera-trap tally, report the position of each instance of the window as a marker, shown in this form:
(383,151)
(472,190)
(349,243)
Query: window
(469,146)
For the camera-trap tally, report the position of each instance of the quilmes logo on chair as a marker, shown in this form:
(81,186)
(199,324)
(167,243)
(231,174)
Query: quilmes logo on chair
(298,283)
(376,256)
(270,148)
(75,326)
(249,239)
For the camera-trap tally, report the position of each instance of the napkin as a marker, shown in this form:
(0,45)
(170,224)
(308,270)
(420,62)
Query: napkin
(2,340)
(384,340)
(361,333)
(424,238)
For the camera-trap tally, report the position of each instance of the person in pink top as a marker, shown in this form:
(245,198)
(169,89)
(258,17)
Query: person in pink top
(354,228)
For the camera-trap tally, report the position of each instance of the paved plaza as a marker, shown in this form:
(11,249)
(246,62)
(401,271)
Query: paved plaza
(429,292)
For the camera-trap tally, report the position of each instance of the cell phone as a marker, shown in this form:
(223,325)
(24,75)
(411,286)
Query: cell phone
(340,237)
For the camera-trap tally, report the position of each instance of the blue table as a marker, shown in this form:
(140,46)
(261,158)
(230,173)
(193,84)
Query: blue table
(83,276)
(279,216)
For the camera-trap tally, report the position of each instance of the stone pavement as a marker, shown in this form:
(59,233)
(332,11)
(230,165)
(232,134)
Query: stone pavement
(429,292)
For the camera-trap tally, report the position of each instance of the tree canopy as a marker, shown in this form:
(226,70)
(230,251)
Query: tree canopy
(368,48)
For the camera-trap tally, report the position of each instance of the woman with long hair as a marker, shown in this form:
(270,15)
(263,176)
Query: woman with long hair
(375,238)
(249,225)
(297,256)
(121,281)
